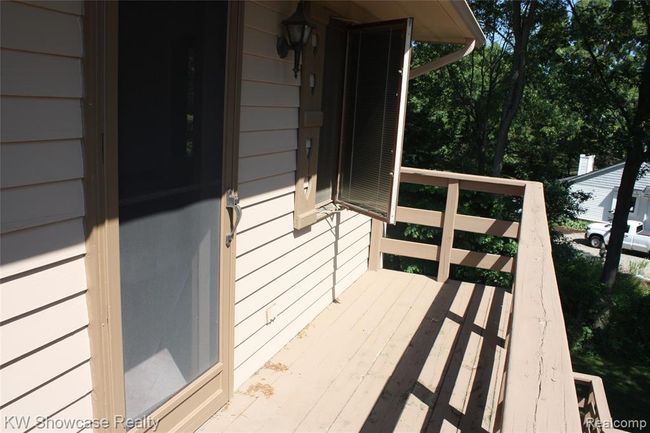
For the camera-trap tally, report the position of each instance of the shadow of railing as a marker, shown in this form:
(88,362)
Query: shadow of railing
(405,380)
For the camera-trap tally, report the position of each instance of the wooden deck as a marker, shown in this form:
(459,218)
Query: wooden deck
(397,352)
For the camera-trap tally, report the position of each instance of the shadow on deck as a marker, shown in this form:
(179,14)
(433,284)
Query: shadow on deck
(400,352)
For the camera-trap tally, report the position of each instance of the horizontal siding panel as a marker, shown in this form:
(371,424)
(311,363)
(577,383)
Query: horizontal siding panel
(254,332)
(34,119)
(44,365)
(265,189)
(30,74)
(268,70)
(264,19)
(301,274)
(281,7)
(80,410)
(29,249)
(270,342)
(258,94)
(249,359)
(34,29)
(310,261)
(263,142)
(598,206)
(260,235)
(266,211)
(32,291)
(268,118)
(351,271)
(31,206)
(267,272)
(286,241)
(263,44)
(259,167)
(36,330)
(39,162)
(611,179)
(68,7)
(52,397)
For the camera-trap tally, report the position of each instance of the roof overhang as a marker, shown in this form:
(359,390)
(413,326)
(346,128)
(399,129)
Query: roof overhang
(442,21)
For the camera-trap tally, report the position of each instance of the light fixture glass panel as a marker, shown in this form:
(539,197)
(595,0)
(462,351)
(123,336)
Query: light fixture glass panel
(306,34)
(295,33)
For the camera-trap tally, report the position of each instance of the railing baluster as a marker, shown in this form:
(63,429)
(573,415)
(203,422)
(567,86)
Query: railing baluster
(447,242)
(376,234)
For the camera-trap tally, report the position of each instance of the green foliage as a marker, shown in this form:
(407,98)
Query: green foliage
(574,224)
(562,204)
(616,348)
(601,69)
(582,293)
(587,304)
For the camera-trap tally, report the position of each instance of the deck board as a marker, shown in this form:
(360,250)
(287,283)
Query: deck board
(399,352)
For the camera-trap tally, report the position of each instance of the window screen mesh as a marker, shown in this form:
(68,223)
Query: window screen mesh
(371,116)
(170,93)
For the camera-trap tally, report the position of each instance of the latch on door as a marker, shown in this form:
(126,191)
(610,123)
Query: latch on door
(232,202)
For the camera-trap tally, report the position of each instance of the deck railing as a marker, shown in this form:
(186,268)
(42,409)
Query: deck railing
(538,390)
(594,410)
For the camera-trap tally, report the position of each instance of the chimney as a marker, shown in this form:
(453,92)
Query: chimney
(586,163)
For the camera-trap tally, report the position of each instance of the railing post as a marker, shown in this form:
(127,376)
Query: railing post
(453,188)
(376,233)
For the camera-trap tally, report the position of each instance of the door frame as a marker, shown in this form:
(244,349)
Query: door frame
(196,402)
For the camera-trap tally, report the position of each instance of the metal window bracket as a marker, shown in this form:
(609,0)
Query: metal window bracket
(232,202)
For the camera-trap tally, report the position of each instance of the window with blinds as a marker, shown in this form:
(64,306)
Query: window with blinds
(374,111)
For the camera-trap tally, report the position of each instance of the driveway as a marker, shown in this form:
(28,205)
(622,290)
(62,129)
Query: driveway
(631,262)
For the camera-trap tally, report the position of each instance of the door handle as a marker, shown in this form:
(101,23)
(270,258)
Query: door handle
(232,202)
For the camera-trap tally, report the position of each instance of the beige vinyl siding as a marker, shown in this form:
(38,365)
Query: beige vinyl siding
(296,274)
(31,163)
(44,362)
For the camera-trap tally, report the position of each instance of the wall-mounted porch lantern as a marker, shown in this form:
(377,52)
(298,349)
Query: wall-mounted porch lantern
(297,29)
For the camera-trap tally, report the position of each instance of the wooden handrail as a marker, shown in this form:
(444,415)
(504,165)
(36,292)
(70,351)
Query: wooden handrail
(538,392)
(468,182)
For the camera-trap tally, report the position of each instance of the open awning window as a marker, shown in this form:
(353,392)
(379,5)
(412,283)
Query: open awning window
(374,111)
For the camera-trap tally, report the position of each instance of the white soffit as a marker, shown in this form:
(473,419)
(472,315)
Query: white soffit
(449,21)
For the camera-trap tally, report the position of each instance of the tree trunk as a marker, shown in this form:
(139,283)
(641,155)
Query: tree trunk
(637,153)
(521,27)
(515,94)
(619,223)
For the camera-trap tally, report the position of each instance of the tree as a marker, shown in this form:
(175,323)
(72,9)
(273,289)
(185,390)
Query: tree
(611,57)
(455,114)
(523,20)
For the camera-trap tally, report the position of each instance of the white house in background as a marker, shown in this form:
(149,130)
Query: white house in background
(603,185)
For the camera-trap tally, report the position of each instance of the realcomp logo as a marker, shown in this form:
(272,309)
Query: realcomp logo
(638,424)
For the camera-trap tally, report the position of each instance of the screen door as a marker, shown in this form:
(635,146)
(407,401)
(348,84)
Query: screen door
(171,67)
